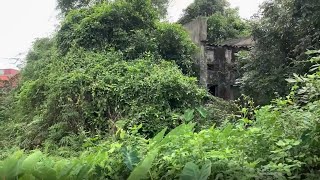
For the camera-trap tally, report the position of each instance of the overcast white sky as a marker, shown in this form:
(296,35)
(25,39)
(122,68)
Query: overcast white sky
(22,21)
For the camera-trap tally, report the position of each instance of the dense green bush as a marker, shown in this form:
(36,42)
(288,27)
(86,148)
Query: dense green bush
(281,39)
(281,143)
(111,101)
(273,148)
(106,25)
(128,26)
(8,128)
(38,60)
(114,61)
(173,43)
(3,107)
(95,90)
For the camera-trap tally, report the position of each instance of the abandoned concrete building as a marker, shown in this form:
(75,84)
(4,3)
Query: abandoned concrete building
(216,62)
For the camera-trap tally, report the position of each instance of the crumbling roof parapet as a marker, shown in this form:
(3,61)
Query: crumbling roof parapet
(241,43)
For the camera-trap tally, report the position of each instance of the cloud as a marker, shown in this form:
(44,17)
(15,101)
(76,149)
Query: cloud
(21,23)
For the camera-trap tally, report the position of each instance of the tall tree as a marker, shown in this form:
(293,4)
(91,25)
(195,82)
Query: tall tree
(223,22)
(66,6)
(161,6)
(131,27)
(228,25)
(285,30)
(203,8)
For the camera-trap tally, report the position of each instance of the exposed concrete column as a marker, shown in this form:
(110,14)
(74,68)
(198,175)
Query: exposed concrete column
(203,67)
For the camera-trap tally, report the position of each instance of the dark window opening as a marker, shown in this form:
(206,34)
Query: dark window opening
(213,67)
(236,92)
(213,90)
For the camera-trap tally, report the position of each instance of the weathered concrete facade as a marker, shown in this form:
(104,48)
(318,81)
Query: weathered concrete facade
(216,62)
(198,32)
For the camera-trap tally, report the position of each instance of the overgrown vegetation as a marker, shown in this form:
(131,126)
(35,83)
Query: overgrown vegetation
(203,8)
(225,26)
(224,23)
(107,90)
(111,96)
(271,148)
(65,6)
(286,29)
(131,27)
(3,108)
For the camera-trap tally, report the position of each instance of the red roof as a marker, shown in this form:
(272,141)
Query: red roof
(4,78)
(9,76)
(8,72)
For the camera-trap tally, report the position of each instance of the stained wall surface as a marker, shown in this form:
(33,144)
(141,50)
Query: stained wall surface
(197,30)
(216,62)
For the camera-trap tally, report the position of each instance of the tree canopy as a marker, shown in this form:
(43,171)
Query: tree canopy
(130,27)
(286,29)
(203,8)
(228,25)
(65,6)
(223,22)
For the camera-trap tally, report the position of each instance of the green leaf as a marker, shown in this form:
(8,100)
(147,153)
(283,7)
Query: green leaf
(202,112)
(131,158)
(178,131)
(281,143)
(158,138)
(31,161)
(83,172)
(120,124)
(190,172)
(47,172)
(290,80)
(205,171)
(311,52)
(188,115)
(141,171)
(11,166)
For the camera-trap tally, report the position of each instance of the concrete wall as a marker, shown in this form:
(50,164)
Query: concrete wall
(221,72)
(216,63)
(197,30)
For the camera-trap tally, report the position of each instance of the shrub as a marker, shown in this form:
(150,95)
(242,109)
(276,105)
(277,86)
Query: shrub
(95,90)
(128,26)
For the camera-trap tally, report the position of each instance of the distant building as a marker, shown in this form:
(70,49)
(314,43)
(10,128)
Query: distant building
(9,78)
(216,62)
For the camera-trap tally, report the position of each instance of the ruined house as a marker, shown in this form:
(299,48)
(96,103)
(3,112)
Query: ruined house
(8,78)
(216,62)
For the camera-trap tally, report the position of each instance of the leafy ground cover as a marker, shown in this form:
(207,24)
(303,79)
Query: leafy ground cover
(90,105)
(281,142)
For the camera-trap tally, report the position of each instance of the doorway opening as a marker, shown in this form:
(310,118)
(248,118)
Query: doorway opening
(213,89)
